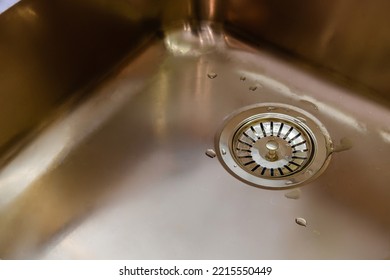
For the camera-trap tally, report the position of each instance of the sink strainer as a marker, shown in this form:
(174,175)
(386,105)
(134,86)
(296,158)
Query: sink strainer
(273,146)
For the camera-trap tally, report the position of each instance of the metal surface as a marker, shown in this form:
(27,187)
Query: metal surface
(347,37)
(273,146)
(104,130)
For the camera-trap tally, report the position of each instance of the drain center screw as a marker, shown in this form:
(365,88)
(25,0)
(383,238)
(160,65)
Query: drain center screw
(272,146)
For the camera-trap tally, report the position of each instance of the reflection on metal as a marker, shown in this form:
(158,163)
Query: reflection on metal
(273,149)
(385,135)
(27,13)
(330,34)
(195,41)
(159,112)
(103,129)
(57,141)
(325,108)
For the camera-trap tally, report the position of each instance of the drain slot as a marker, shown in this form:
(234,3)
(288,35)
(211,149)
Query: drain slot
(273,150)
(282,149)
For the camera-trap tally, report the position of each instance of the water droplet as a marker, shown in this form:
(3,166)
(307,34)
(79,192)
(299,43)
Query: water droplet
(294,194)
(212,75)
(309,172)
(252,88)
(235,166)
(289,182)
(301,221)
(302,119)
(223,151)
(210,153)
(310,104)
(242,78)
(316,232)
(345,144)
(271,108)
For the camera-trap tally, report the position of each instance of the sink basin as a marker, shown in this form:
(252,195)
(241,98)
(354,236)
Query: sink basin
(111,109)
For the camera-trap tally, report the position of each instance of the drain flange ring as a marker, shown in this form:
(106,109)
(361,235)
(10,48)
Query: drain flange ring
(273,146)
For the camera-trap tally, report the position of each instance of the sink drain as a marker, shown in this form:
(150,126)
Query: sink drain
(273,146)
